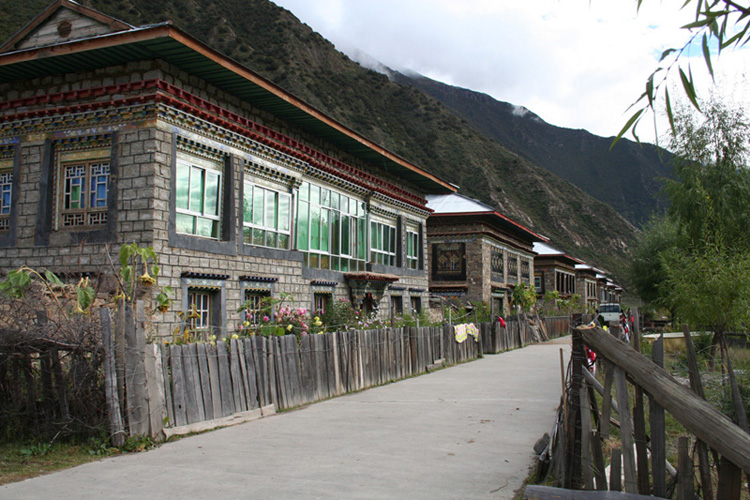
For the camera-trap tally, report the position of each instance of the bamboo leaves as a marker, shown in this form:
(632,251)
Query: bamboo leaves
(725,23)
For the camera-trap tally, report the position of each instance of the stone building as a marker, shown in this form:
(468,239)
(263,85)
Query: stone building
(586,285)
(476,253)
(113,134)
(554,270)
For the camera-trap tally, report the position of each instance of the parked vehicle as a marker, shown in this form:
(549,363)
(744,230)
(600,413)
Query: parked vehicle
(610,313)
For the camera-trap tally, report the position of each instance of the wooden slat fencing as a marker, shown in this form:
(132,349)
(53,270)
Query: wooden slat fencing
(208,382)
(196,386)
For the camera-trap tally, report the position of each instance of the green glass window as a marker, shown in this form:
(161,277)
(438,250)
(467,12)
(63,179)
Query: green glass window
(382,243)
(412,249)
(198,199)
(303,225)
(266,217)
(327,229)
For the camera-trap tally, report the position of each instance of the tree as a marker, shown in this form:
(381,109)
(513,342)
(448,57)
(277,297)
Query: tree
(711,288)
(696,259)
(725,23)
(648,274)
(709,199)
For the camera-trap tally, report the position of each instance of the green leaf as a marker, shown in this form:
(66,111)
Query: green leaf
(154,271)
(85,296)
(666,53)
(696,24)
(126,251)
(7,288)
(127,274)
(727,43)
(633,119)
(707,56)
(670,113)
(19,279)
(52,278)
(689,87)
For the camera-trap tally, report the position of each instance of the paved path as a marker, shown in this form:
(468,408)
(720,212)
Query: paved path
(462,433)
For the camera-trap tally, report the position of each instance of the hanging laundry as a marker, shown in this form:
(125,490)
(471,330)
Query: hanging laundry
(464,330)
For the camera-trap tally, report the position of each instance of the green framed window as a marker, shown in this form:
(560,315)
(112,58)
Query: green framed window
(382,243)
(266,217)
(331,229)
(198,199)
(412,249)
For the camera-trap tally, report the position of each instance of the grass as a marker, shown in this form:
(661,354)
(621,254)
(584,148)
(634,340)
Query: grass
(24,461)
(19,461)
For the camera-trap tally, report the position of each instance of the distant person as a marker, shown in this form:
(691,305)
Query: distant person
(625,328)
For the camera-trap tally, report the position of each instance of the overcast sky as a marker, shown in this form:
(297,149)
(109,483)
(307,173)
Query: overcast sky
(575,63)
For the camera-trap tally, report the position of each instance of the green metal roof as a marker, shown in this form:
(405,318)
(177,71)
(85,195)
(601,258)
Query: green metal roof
(170,44)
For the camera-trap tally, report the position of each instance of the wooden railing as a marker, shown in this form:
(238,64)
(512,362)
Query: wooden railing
(575,453)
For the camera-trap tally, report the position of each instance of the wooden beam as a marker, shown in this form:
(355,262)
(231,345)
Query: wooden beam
(698,416)
(536,492)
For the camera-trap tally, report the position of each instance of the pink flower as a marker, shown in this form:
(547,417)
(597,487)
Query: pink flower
(266,319)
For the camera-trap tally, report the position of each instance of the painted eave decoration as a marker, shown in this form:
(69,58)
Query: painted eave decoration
(27,55)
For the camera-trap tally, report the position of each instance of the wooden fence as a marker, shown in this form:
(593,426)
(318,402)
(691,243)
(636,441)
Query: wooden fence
(574,457)
(171,389)
(48,390)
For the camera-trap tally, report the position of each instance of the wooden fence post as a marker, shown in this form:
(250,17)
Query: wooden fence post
(658,437)
(572,478)
(116,431)
(685,482)
(626,431)
(698,416)
(135,373)
(696,384)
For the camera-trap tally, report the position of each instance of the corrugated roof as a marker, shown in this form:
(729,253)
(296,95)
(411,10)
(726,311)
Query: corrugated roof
(542,249)
(458,205)
(455,203)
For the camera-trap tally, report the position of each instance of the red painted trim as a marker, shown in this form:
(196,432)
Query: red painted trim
(215,114)
(496,214)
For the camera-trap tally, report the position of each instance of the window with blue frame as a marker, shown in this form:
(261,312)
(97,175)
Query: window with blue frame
(83,187)
(6,194)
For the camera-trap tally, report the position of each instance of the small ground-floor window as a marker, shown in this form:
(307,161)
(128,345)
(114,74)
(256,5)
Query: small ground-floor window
(320,302)
(255,302)
(416,305)
(397,304)
(199,303)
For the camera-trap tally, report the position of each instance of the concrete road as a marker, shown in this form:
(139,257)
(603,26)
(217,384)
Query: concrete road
(465,432)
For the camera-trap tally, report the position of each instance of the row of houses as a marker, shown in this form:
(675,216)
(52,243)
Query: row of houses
(112,134)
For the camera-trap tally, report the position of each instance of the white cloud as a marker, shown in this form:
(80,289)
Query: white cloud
(576,64)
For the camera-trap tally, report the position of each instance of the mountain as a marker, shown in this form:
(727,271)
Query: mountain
(626,177)
(401,118)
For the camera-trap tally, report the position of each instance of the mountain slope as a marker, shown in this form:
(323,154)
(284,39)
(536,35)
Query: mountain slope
(402,118)
(627,177)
